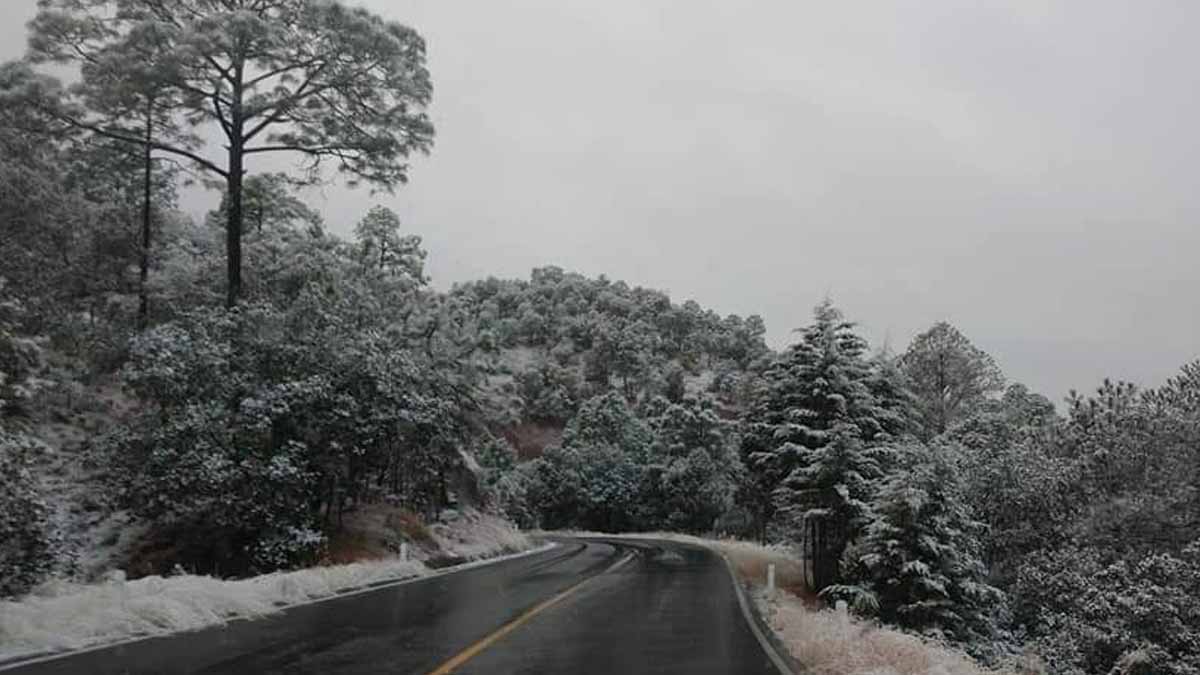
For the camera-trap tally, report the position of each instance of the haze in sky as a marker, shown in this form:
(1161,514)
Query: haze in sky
(1025,171)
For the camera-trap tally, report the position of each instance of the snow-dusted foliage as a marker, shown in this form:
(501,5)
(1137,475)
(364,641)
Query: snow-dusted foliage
(495,458)
(662,465)
(950,377)
(549,393)
(608,419)
(593,334)
(20,355)
(918,561)
(1089,612)
(809,444)
(260,433)
(29,540)
(696,491)
(693,462)
(342,383)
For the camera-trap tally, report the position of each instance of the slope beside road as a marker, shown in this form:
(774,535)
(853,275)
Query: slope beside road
(586,606)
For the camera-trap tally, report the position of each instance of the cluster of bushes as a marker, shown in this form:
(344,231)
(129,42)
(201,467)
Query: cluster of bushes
(258,434)
(30,540)
(668,465)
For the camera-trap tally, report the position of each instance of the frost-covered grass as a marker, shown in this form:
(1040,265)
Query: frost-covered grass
(826,642)
(479,535)
(63,615)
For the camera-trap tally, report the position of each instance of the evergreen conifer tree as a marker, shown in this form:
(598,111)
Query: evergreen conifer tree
(918,563)
(811,436)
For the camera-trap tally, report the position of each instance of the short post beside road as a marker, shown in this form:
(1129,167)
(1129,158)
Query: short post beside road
(771,579)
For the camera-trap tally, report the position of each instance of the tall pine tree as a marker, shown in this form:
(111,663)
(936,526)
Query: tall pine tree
(811,434)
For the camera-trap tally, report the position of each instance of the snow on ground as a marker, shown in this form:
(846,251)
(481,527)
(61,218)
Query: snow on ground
(68,616)
(62,615)
(827,642)
(69,414)
(478,535)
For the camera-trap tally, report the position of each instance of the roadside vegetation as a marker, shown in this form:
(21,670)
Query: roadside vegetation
(69,615)
(250,393)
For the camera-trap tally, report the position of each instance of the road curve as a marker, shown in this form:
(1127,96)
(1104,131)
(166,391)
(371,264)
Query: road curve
(587,606)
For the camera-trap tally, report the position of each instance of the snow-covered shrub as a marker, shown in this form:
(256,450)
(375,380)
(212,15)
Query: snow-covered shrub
(20,356)
(29,542)
(673,466)
(511,492)
(549,393)
(262,425)
(695,493)
(283,548)
(495,457)
(1087,612)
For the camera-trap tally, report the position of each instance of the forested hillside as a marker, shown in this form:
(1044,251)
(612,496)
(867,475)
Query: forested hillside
(227,394)
(561,338)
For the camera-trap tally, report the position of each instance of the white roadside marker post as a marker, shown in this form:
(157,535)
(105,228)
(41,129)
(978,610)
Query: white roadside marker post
(404,551)
(771,580)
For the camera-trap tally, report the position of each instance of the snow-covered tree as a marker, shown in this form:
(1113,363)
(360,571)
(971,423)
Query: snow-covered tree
(918,562)
(693,466)
(696,490)
(549,393)
(496,458)
(609,479)
(262,427)
(950,376)
(807,437)
(317,80)
(1014,482)
(827,496)
(383,248)
(608,420)
(692,423)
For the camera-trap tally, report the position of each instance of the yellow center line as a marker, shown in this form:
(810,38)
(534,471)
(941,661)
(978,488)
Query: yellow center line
(473,651)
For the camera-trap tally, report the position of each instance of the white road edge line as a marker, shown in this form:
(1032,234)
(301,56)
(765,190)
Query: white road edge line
(22,663)
(769,648)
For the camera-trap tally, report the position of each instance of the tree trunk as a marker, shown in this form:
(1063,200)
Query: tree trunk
(233,228)
(144,262)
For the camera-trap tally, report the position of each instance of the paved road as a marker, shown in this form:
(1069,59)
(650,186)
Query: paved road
(587,606)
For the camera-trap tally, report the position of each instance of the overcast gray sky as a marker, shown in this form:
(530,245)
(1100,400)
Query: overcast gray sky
(1026,171)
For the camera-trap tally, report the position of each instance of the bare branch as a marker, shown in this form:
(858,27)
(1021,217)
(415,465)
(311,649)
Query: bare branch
(125,138)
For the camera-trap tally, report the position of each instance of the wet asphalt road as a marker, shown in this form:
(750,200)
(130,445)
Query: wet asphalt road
(587,607)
